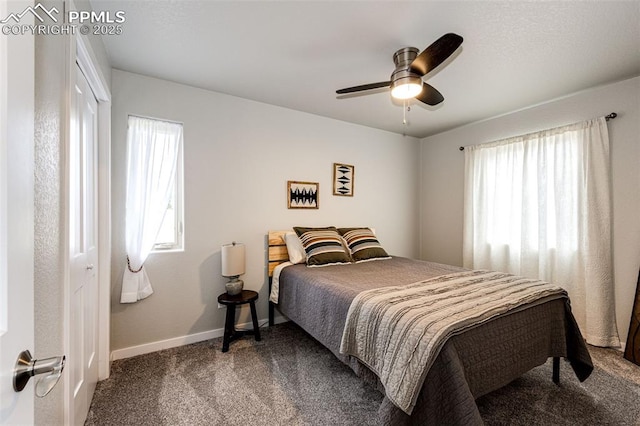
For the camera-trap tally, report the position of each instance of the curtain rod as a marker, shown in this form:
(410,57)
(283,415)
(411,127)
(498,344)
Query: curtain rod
(606,117)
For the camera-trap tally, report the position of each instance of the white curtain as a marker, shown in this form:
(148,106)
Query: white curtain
(539,205)
(152,155)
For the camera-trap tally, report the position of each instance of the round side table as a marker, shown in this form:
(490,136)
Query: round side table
(230,332)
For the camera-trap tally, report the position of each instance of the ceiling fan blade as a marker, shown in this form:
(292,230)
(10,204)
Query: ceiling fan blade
(436,54)
(430,95)
(364,87)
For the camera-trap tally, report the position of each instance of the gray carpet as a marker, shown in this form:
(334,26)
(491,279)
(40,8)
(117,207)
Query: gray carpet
(290,379)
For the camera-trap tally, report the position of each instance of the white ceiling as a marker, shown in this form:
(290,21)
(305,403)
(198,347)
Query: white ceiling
(296,54)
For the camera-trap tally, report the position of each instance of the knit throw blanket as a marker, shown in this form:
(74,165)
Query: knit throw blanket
(398,331)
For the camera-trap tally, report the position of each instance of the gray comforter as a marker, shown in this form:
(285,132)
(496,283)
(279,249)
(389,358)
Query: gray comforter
(468,366)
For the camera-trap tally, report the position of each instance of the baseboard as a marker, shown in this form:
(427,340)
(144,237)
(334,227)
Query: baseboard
(182,340)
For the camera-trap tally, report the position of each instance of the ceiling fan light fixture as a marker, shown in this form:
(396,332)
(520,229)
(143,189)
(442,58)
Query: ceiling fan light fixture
(406,79)
(406,88)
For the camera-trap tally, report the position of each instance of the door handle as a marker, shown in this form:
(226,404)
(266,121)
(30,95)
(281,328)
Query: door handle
(27,367)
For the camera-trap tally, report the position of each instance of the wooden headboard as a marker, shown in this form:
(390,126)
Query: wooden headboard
(277,254)
(277,249)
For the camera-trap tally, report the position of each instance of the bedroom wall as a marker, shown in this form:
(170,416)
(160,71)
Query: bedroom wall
(442,174)
(238,157)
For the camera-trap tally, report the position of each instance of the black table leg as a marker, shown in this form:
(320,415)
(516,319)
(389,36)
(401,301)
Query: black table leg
(254,318)
(229,327)
(556,370)
(271,314)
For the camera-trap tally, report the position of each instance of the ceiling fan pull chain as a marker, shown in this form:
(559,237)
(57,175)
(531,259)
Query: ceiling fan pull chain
(404,112)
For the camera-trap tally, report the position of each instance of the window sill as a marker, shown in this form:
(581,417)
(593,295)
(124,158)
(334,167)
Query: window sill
(173,250)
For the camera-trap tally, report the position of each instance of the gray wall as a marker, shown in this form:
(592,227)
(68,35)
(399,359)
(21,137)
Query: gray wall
(442,173)
(238,157)
(50,116)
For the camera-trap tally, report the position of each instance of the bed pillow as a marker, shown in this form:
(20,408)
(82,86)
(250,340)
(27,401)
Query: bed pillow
(363,244)
(323,246)
(294,248)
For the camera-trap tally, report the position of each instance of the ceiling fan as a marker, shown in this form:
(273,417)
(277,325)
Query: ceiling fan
(406,80)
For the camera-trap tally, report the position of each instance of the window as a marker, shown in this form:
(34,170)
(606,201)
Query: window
(523,193)
(170,235)
(154,186)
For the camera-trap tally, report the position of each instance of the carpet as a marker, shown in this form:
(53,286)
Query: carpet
(290,379)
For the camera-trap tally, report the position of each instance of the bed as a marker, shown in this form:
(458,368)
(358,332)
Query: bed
(469,364)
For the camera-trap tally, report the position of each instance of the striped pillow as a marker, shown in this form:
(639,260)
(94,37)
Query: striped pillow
(363,244)
(322,245)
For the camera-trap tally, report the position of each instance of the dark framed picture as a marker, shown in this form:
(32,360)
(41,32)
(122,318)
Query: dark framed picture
(303,195)
(343,175)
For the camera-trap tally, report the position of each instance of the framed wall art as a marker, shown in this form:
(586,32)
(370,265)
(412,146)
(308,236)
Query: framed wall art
(343,175)
(303,195)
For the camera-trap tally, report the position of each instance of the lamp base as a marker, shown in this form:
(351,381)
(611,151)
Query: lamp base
(234,287)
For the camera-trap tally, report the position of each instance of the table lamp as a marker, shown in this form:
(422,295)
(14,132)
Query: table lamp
(233,266)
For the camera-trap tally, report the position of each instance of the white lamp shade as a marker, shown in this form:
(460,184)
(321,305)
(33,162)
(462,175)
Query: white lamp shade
(233,259)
